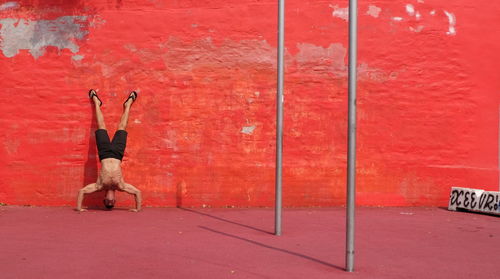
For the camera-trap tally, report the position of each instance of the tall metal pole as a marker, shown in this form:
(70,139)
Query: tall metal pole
(279,116)
(351,156)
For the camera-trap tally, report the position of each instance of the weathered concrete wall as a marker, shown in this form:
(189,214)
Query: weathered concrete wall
(202,131)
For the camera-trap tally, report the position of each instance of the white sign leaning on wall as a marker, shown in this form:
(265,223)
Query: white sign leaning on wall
(474,200)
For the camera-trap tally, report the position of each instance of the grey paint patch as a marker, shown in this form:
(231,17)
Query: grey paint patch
(77,57)
(183,56)
(11,146)
(63,32)
(130,47)
(248,130)
(9,5)
(333,57)
(373,11)
(96,21)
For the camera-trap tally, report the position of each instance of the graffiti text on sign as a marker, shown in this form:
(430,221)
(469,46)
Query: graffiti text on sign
(475,200)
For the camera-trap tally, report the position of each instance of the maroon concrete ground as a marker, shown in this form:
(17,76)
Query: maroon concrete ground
(40,242)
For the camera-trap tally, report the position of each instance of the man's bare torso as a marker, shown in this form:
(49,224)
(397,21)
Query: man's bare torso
(110,176)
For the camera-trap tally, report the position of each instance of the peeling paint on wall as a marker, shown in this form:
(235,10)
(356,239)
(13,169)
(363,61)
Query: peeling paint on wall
(373,11)
(452,21)
(9,5)
(416,29)
(342,13)
(11,146)
(248,130)
(19,34)
(187,56)
(411,12)
(309,53)
(184,56)
(418,16)
(77,57)
(410,9)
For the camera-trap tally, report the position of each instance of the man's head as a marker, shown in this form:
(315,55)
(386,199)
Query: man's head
(109,204)
(109,199)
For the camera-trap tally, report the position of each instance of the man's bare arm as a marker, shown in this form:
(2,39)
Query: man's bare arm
(136,192)
(85,190)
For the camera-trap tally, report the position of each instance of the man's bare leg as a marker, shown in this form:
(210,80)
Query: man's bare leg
(85,190)
(98,114)
(123,126)
(133,191)
(93,186)
(101,125)
(126,111)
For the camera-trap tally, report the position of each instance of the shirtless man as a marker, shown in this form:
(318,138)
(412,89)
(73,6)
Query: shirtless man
(110,154)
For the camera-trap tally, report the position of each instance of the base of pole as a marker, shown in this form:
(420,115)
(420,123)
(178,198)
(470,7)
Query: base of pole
(349,261)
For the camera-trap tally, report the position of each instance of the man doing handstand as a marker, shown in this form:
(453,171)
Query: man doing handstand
(110,154)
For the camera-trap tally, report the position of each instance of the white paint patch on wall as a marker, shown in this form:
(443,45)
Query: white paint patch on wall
(248,130)
(9,5)
(417,29)
(35,36)
(77,57)
(452,21)
(373,11)
(410,9)
(418,16)
(342,13)
(412,12)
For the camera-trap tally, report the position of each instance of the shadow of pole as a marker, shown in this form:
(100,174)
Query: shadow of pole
(224,220)
(274,248)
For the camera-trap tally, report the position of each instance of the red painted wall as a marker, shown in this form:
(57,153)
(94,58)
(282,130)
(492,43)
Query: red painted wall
(203,129)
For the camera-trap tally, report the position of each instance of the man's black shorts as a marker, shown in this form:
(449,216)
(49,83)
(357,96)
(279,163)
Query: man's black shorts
(115,148)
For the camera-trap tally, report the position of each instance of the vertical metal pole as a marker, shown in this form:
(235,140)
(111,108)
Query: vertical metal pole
(279,116)
(351,157)
(498,147)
